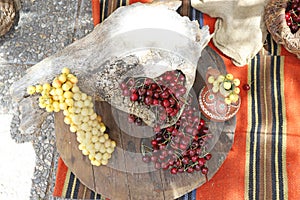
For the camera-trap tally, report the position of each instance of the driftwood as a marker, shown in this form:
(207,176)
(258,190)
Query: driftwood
(132,41)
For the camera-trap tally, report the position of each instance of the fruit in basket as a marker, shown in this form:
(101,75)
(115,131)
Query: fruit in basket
(282,21)
(292,15)
(63,94)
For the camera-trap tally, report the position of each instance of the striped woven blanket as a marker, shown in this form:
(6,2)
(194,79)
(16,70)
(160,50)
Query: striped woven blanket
(265,157)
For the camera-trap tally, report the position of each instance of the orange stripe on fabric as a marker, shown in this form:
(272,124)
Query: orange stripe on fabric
(228,182)
(292,99)
(285,52)
(61,173)
(96,11)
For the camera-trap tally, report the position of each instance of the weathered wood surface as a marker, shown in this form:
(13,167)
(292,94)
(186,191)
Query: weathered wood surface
(126,176)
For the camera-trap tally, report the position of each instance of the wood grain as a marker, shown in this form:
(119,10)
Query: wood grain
(126,176)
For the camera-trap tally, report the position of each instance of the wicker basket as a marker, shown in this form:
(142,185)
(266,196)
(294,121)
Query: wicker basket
(276,24)
(7,15)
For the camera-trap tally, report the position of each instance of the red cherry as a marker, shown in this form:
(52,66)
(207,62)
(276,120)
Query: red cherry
(246,86)
(154,143)
(155,102)
(165,166)
(154,158)
(194,159)
(141,91)
(287,15)
(149,92)
(185,160)
(123,86)
(157,165)
(170,128)
(131,118)
(156,95)
(201,161)
(180,170)
(197,167)
(126,92)
(165,103)
(204,170)
(153,86)
(146,159)
(148,100)
(134,97)
(165,94)
(156,128)
(190,170)
(208,156)
(174,170)
(202,122)
(131,82)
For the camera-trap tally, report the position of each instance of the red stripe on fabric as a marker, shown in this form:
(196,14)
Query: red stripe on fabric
(285,52)
(142,1)
(292,103)
(228,182)
(96,11)
(61,173)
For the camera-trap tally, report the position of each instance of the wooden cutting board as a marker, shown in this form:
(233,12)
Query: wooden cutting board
(127,176)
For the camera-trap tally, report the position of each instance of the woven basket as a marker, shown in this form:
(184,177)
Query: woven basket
(7,15)
(276,25)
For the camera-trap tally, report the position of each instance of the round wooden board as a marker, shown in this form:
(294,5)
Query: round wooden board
(127,176)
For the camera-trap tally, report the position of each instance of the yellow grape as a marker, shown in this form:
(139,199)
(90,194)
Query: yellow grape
(236,90)
(38,88)
(220,78)
(69,102)
(66,86)
(59,91)
(49,108)
(92,157)
(68,94)
(65,71)
(76,96)
(75,89)
(56,83)
(211,79)
(63,94)
(62,78)
(236,82)
(46,87)
(31,90)
(227,85)
(104,162)
(227,101)
(84,112)
(67,120)
(229,77)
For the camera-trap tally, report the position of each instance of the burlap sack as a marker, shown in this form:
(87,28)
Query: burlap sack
(240,30)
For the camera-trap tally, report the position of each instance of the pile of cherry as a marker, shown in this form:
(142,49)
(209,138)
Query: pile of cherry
(292,15)
(180,147)
(163,95)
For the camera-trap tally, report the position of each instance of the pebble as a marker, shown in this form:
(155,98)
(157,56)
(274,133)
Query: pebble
(44,28)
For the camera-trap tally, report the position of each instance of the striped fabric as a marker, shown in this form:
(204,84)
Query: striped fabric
(265,158)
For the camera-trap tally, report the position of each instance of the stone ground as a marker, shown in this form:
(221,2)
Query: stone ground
(28,162)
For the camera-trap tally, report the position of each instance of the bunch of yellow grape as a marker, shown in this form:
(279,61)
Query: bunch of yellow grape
(227,85)
(64,95)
